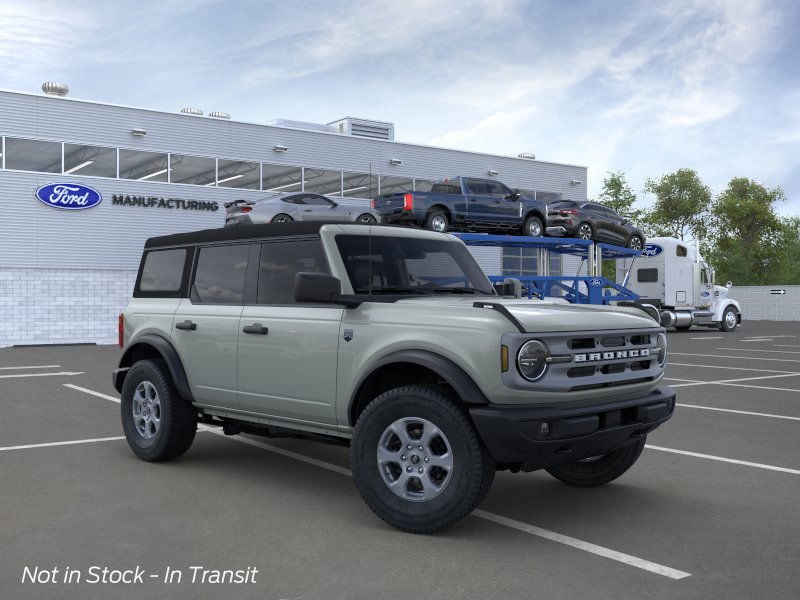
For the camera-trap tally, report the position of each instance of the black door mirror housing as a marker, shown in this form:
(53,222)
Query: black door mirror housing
(317,287)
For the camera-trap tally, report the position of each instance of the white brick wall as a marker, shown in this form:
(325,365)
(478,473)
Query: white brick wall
(760,304)
(62,306)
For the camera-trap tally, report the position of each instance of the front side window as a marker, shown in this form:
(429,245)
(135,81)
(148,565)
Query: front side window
(399,265)
(220,274)
(315,200)
(495,188)
(281,261)
(163,270)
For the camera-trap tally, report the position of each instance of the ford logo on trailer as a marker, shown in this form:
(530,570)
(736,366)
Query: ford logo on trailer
(652,250)
(596,282)
(68,196)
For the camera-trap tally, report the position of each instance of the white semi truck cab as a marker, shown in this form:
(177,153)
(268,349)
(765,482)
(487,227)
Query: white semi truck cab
(672,276)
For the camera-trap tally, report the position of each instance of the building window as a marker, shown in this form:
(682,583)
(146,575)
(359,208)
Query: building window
(96,161)
(322,181)
(359,185)
(194,170)
(279,178)
(144,166)
(396,185)
(33,155)
(238,174)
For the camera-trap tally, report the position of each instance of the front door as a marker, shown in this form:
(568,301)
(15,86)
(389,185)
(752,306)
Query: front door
(288,351)
(205,328)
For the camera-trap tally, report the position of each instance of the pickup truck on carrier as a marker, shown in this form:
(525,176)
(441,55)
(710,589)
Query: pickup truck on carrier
(464,203)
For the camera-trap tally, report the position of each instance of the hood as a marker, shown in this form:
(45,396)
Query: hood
(721,291)
(541,315)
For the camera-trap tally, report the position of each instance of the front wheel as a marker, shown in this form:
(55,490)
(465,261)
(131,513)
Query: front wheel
(157,422)
(729,320)
(533,227)
(366,219)
(635,243)
(417,460)
(584,231)
(599,470)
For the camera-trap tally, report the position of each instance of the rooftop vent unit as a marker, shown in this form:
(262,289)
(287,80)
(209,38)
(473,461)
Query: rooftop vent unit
(219,115)
(302,125)
(527,155)
(192,111)
(376,130)
(52,88)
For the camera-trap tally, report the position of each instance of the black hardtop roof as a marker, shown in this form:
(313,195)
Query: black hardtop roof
(243,232)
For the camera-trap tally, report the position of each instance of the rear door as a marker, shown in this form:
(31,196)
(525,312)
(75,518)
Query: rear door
(205,327)
(288,351)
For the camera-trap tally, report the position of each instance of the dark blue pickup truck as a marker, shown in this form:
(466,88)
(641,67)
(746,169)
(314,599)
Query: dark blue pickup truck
(466,204)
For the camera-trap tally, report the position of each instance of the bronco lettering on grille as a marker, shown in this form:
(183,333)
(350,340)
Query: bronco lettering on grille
(616,355)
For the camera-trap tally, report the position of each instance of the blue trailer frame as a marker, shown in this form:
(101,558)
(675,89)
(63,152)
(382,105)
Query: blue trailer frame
(585,289)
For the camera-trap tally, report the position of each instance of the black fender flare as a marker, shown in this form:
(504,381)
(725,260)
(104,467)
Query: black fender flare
(462,384)
(535,212)
(167,352)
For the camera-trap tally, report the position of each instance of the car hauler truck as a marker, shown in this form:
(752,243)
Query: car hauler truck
(673,277)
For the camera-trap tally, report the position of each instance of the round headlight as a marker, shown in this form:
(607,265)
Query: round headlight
(532,360)
(661,349)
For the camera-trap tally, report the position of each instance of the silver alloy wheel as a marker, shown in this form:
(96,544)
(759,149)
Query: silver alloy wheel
(585,231)
(439,223)
(282,219)
(635,243)
(146,408)
(415,459)
(534,229)
(730,319)
(367,219)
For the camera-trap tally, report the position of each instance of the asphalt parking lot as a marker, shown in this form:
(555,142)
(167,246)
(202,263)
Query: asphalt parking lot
(710,510)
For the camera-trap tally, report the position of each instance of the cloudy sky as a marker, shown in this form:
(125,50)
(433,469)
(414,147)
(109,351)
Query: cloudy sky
(639,87)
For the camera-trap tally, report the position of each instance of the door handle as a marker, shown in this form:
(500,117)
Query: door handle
(308,210)
(257,328)
(187,325)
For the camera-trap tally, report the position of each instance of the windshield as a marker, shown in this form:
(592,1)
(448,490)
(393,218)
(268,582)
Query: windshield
(401,265)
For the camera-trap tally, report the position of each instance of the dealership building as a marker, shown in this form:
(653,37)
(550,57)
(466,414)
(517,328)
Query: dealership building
(66,273)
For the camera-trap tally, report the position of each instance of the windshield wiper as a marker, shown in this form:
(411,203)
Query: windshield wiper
(396,289)
(460,290)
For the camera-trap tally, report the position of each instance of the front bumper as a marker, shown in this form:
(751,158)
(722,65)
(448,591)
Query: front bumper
(535,437)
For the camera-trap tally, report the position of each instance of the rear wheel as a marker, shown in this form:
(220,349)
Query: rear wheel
(366,218)
(281,218)
(436,221)
(584,231)
(729,320)
(533,227)
(601,469)
(635,242)
(417,460)
(158,423)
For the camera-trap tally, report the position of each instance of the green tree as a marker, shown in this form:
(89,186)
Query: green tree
(619,196)
(681,206)
(749,243)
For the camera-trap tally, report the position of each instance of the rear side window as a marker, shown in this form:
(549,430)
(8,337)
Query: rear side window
(163,270)
(446,188)
(281,261)
(220,274)
(647,275)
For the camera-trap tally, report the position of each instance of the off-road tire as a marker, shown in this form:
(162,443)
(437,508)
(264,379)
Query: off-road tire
(723,324)
(596,471)
(533,223)
(281,218)
(433,219)
(471,475)
(178,419)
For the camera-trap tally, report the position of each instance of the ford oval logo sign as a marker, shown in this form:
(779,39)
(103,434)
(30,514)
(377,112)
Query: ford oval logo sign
(652,250)
(596,282)
(68,196)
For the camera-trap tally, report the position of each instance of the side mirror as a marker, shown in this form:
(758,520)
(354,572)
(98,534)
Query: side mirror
(317,287)
(513,196)
(334,204)
(729,285)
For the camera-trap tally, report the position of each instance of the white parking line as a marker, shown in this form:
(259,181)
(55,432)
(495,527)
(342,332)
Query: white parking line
(18,375)
(787,346)
(749,350)
(748,358)
(709,337)
(585,546)
(33,367)
(761,387)
(723,459)
(732,381)
(739,412)
(672,364)
(69,443)
(633,561)
(759,340)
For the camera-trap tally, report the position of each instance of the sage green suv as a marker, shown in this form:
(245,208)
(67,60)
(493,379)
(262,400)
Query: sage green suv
(394,342)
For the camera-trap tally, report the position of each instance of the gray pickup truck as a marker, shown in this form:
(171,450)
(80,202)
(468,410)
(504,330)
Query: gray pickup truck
(465,204)
(391,341)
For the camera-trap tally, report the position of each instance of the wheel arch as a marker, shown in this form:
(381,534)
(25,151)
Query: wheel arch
(444,208)
(406,367)
(153,346)
(729,303)
(535,212)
